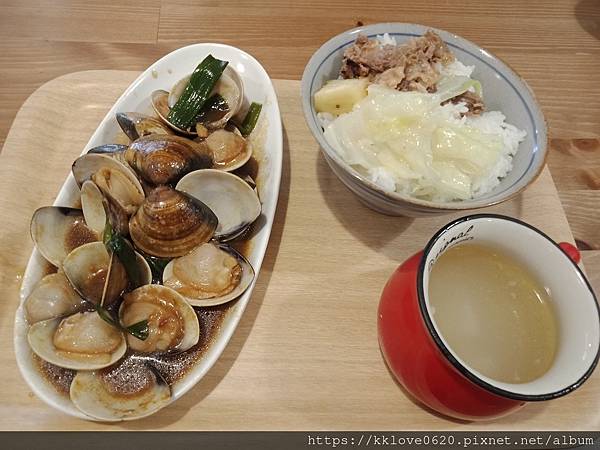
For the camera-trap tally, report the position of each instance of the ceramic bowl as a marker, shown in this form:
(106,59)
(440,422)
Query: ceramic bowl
(503,91)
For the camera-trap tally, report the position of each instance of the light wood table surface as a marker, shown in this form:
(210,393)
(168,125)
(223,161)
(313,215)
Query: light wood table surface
(305,354)
(554,45)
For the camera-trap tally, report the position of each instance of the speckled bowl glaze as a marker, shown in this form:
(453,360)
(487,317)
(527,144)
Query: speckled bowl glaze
(503,91)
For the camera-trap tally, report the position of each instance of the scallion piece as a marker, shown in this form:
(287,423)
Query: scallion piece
(157,266)
(123,250)
(138,330)
(251,118)
(196,93)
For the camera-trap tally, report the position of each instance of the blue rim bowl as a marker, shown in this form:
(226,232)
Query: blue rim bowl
(503,90)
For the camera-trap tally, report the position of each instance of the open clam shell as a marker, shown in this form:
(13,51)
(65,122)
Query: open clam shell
(210,275)
(112,178)
(86,269)
(229,149)
(92,206)
(233,201)
(115,151)
(172,322)
(129,390)
(229,86)
(82,341)
(52,297)
(171,223)
(164,159)
(56,231)
(136,125)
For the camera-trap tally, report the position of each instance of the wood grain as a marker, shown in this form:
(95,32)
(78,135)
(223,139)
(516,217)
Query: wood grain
(305,355)
(553,44)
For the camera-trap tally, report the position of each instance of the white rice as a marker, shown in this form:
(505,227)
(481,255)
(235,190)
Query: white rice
(386,39)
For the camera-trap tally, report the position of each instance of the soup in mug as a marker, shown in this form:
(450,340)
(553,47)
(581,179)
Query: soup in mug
(493,313)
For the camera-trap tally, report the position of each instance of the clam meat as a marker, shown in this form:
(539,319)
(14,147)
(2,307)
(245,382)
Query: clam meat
(172,322)
(82,341)
(112,177)
(229,150)
(210,275)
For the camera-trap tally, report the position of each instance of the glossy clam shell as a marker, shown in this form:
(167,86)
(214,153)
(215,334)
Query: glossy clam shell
(138,392)
(52,297)
(160,294)
(128,192)
(233,201)
(56,231)
(40,338)
(164,159)
(245,281)
(171,223)
(136,125)
(115,151)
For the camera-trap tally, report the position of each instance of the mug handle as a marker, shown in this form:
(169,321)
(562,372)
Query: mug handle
(571,251)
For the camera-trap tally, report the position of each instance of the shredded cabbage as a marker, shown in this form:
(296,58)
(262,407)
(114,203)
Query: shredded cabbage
(408,142)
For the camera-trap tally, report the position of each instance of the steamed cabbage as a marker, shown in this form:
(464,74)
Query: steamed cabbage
(407,142)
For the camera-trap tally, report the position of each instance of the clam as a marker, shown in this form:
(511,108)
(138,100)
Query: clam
(56,231)
(93,207)
(53,296)
(210,275)
(86,268)
(171,223)
(229,87)
(136,125)
(229,150)
(164,159)
(233,201)
(130,389)
(115,151)
(112,178)
(82,341)
(172,322)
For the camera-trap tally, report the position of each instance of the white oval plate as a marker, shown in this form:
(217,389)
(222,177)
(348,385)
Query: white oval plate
(162,75)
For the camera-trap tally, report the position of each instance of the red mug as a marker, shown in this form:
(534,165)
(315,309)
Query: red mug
(422,361)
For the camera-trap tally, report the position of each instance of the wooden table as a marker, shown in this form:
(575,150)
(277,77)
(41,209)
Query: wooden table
(554,45)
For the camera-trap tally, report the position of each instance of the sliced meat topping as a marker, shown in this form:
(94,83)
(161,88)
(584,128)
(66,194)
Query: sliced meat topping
(408,67)
(471,100)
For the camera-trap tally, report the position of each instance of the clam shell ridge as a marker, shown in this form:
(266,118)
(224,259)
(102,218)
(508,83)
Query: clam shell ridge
(170,223)
(164,159)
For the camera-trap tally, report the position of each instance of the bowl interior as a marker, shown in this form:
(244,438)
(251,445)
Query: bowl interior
(503,90)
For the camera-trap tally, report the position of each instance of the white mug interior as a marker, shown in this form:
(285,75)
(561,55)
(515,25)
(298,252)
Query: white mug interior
(573,299)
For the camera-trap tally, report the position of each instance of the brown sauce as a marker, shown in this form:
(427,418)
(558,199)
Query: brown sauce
(249,169)
(57,376)
(48,269)
(78,235)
